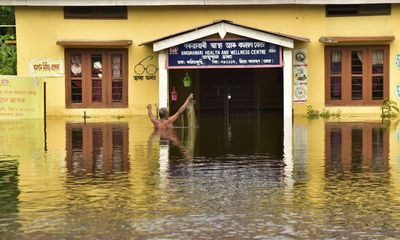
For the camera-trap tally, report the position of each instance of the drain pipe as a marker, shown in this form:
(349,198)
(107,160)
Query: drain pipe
(44,115)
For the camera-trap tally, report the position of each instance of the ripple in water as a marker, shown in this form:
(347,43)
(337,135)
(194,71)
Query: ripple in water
(121,180)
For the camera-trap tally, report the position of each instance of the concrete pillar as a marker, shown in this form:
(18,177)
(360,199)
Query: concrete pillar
(163,102)
(163,80)
(287,82)
(287,114)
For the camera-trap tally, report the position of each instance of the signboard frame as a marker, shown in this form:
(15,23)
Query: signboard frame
(279,65)
(22,97)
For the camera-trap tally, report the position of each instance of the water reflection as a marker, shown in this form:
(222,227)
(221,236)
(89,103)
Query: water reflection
(122,179)
(227,151)
(356,147)
(97,147)
(168,137)
(241,135)
(8,196)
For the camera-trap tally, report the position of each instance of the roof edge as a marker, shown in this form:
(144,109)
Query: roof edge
(296,38)
(360,39)
(92,43)
(183,2)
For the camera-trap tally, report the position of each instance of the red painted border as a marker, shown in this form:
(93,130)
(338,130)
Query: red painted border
(227,66)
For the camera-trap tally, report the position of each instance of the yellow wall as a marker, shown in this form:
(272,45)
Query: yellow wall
(38,29)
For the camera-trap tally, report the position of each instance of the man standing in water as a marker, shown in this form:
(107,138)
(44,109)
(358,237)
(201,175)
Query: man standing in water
(165,121)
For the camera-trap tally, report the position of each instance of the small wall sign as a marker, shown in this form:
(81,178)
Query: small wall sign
(398,90)
(300,57)
(300,93)
(397,61)
(145,70)
(46,67)
(300,75)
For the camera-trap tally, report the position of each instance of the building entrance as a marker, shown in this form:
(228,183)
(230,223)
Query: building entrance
(230,91)
(227,91)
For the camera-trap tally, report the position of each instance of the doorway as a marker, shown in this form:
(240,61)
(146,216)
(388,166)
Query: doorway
(230,91)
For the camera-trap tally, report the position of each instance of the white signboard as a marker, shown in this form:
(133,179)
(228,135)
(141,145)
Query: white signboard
(300,93)
(300,76)
(46,67)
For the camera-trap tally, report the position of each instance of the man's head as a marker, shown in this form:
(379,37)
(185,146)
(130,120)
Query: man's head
(163,113)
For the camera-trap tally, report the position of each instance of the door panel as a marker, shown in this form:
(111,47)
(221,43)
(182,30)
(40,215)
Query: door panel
(212,89)
(227,90)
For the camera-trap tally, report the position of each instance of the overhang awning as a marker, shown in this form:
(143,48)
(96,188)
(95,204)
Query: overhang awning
(183,2)
(333,40)
(90,43)
(222,27)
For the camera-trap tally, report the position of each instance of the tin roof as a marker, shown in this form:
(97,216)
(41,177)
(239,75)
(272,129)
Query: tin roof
(297,38)
(182,2)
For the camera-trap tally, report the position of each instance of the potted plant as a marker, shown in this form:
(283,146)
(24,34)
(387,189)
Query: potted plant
(187,81)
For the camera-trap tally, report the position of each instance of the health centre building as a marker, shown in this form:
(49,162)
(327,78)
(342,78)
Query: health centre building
(256,56)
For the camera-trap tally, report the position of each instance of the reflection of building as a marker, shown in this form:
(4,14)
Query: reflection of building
(356,146)
(97,147)
(239,136)
(9,197)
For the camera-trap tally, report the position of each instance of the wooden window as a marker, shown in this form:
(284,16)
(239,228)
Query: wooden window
(336,75)
(356,146)
(343,10)
(356,75)
(377,74)
(96,78)
(104,12)
(97,147)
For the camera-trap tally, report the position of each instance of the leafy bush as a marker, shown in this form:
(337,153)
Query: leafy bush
(389,109)
(325,113)
(312,113)
(8,53)
(8,56)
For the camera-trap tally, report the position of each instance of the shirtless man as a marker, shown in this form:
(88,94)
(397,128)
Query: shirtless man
(165,121)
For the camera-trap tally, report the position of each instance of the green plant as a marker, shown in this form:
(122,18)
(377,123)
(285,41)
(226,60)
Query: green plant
(8,56)
(7,17)
(312,113)
(8,53)
(325,113)
(389,109)
(337,114)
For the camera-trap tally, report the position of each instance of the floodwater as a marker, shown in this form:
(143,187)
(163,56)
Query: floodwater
(235,178)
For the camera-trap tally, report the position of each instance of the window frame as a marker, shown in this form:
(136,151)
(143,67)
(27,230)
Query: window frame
(67,15)
(346,97)
(358,8)
(87,80)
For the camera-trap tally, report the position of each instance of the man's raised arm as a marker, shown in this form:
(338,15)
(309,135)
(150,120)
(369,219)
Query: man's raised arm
(181,110)
(150,114)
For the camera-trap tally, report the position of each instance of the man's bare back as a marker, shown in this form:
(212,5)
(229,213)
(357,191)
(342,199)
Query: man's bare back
(165,121)
(161,124)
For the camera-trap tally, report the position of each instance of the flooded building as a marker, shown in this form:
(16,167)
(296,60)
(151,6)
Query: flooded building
(254,168)
(254,57)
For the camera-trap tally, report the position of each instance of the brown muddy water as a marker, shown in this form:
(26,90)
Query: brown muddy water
(225,179)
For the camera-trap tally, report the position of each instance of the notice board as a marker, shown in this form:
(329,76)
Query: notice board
(21,97)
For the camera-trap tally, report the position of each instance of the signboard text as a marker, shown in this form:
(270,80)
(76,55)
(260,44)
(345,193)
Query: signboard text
(224,53)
